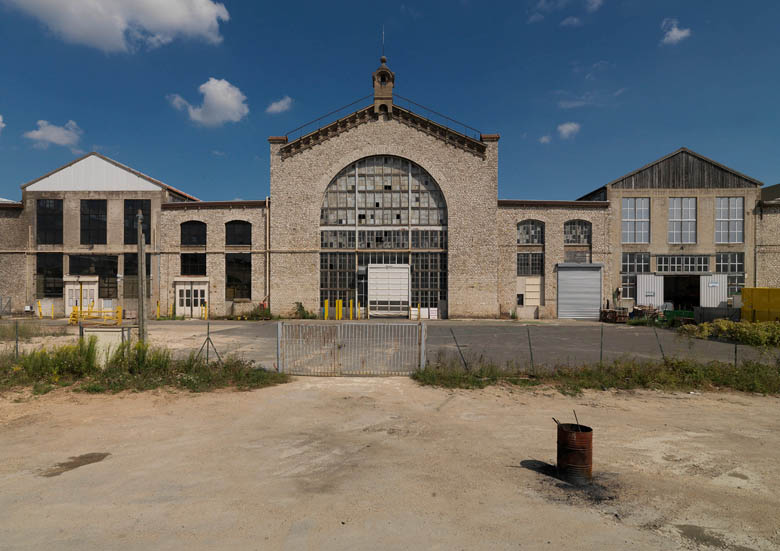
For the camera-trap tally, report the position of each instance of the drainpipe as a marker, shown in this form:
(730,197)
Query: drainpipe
(755,243)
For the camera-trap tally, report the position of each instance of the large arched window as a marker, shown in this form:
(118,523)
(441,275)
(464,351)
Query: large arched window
(577,232)
(385,210)
(193,233)
(238,232)
(530,232)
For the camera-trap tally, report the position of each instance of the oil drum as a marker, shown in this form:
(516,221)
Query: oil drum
(575,453)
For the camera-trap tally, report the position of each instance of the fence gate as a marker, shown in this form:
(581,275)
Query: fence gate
(350,349)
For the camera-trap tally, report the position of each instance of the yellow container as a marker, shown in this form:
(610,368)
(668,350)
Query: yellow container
(761,298)
(774,315)
(774,299)
(747,314)
(762,315)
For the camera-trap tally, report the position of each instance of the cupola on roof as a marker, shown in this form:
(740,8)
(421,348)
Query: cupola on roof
(383,80)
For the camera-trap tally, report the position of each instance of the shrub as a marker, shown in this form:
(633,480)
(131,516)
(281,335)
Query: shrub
(302,313)
(763,333)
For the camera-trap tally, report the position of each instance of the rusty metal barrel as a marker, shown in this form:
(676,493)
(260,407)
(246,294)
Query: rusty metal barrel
(575,453)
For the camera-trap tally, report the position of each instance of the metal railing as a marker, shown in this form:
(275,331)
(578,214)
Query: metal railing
(350,349)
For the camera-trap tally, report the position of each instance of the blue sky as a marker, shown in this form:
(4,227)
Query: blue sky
(581,91)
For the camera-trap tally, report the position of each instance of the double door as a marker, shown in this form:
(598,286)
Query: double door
(191,298)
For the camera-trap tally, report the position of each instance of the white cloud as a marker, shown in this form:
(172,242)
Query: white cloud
(47,134)
(571,21)
(620,92)
(217,153)
(593,5)
(673,34)
(222,102)
(125,25)
(545,139)
(2,124)
(568,130)
(280,106)
(573,103)
(535,17)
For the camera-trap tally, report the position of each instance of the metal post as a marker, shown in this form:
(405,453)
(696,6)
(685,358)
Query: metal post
(208,338)
(279,366)
(17,339)
(663,356)
(141,277)
(735,355)
(601,351)
(530,348)
(81,300)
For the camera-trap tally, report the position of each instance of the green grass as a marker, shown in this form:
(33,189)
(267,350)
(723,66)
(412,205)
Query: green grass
(28,330)
(626,374)
(762,333)
(134,366)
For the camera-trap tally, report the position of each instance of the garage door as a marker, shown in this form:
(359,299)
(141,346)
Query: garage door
(388,290)
(579,291)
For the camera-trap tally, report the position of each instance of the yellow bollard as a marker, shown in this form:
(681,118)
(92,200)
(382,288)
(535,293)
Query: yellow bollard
(326,308)
(207,309)
(350,309)
(40,312)
(52,311)
(170,310)
(158,309)
(418,311)
(357,310)
(340,306)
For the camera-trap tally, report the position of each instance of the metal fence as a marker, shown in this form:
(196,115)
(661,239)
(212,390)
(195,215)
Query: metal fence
(5,306)
(350,349)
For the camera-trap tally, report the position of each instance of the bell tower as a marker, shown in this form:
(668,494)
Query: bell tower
(383,80)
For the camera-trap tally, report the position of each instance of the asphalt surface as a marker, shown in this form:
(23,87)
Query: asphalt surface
(554,343)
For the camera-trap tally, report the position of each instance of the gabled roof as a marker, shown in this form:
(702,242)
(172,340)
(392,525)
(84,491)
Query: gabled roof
(117,164)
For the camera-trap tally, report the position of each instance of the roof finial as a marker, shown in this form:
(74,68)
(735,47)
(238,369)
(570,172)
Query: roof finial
(383,58)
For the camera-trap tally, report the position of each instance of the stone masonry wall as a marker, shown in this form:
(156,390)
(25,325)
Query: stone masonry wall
(215,249)
(553,218)
(767,247)
(469,183)
(13,258)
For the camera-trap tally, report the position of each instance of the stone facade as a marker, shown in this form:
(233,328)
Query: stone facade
(767,245)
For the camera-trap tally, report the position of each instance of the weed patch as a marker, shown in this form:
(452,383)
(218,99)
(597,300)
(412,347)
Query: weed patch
(762,333)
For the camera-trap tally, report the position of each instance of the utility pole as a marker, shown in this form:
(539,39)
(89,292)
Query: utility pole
(141,277)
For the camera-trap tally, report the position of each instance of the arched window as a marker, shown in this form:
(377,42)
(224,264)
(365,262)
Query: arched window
(238,232)
(530,232)
(388,210)
(193,233)
(577,232)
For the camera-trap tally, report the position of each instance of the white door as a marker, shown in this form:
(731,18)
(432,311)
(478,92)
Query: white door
(388,290)
(649,290)
(75,290)
(191,298)
(714,290)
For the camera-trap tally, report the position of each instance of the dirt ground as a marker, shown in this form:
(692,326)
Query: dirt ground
(383,463)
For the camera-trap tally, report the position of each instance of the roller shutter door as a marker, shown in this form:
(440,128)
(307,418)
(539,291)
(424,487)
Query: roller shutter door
(579,291)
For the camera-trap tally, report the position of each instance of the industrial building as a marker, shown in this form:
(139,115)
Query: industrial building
(399,214)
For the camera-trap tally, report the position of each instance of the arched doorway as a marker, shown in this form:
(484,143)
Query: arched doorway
(384,211)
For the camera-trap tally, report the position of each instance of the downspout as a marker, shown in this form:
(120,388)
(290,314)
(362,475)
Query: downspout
(755,243)
(268,249)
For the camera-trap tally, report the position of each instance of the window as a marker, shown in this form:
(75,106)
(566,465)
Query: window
(49,222)
(530,264)
(729,219)
(530,232)
(682,220)
(338,239)
(238,276)
(100,265)
(429,239)
(577,232)
(631,265)
(732,264)
(193,264)
(130,282)
(193,233)
(48,271)
(636,220)
(132,206)
(93,222)
(577,257)
(383,239)
(337,277)
(429,279)
(683,263)
(238,232)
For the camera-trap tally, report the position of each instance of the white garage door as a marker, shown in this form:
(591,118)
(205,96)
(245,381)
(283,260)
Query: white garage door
(388,290)
(579,291)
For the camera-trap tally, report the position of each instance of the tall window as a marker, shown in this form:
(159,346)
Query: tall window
(130,282)
(103,266)
(193,233)
(238,276)
(682,220)
(238,232)
(93,222)
(530,232)
(729,220)
(389,205)
(48,271)
(683,263)
(636,220)
(633,264)
(732,264)
(132,206)
(49,221)
(193,264)
(577,232)
(530,264)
